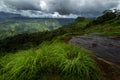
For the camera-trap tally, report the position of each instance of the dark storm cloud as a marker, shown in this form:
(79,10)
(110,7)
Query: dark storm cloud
(22,4)
(58,8)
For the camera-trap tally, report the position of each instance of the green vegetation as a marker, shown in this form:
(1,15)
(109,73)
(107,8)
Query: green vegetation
(26,41)
(59,60)
(106,25)
(10,27)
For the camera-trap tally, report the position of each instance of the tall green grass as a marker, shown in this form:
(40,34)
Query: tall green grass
(58,60)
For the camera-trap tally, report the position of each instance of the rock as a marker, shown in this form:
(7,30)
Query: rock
(107,48)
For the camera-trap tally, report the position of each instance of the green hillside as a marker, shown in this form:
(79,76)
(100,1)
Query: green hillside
(47,55)
(11,26)
(105,25)
(27,40)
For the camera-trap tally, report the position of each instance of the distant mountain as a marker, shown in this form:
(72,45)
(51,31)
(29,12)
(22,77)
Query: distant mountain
(4,15)
(11,24)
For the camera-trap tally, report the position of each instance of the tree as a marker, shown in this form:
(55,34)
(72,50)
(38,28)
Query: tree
(80,19)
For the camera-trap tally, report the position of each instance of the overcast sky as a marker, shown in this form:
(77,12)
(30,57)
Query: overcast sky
(58,8)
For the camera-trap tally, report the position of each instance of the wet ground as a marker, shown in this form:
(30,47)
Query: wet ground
(106,51)
(107,48)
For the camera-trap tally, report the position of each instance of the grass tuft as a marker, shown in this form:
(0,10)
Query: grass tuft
(59,61)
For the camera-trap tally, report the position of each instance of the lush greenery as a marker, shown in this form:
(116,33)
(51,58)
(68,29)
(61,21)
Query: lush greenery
(26,40)
(14,26)
(105,25)
(57,60)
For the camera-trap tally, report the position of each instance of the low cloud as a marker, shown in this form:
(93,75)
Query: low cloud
(58,8)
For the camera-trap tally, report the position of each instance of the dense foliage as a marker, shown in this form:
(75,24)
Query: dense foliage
(79,26)
(26,40)
(14,26)
(57,60)
(106,25)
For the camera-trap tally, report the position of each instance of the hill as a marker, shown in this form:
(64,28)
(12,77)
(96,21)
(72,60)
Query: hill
(110,26)
(106,25)
(26,40)
(14,26)
(47,55)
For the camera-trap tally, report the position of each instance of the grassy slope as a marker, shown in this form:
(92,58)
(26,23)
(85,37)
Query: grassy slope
(65,61)
(11,27)
(107,24)
(74,63)
(108,28)
(26,41)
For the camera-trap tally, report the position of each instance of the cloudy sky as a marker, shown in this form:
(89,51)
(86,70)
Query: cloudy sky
(58,8)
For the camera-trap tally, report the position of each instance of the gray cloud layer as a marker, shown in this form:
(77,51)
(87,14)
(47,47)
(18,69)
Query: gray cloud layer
(58,8)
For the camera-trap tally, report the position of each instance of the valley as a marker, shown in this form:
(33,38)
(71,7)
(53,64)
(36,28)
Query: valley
(84,49)
(14,26)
